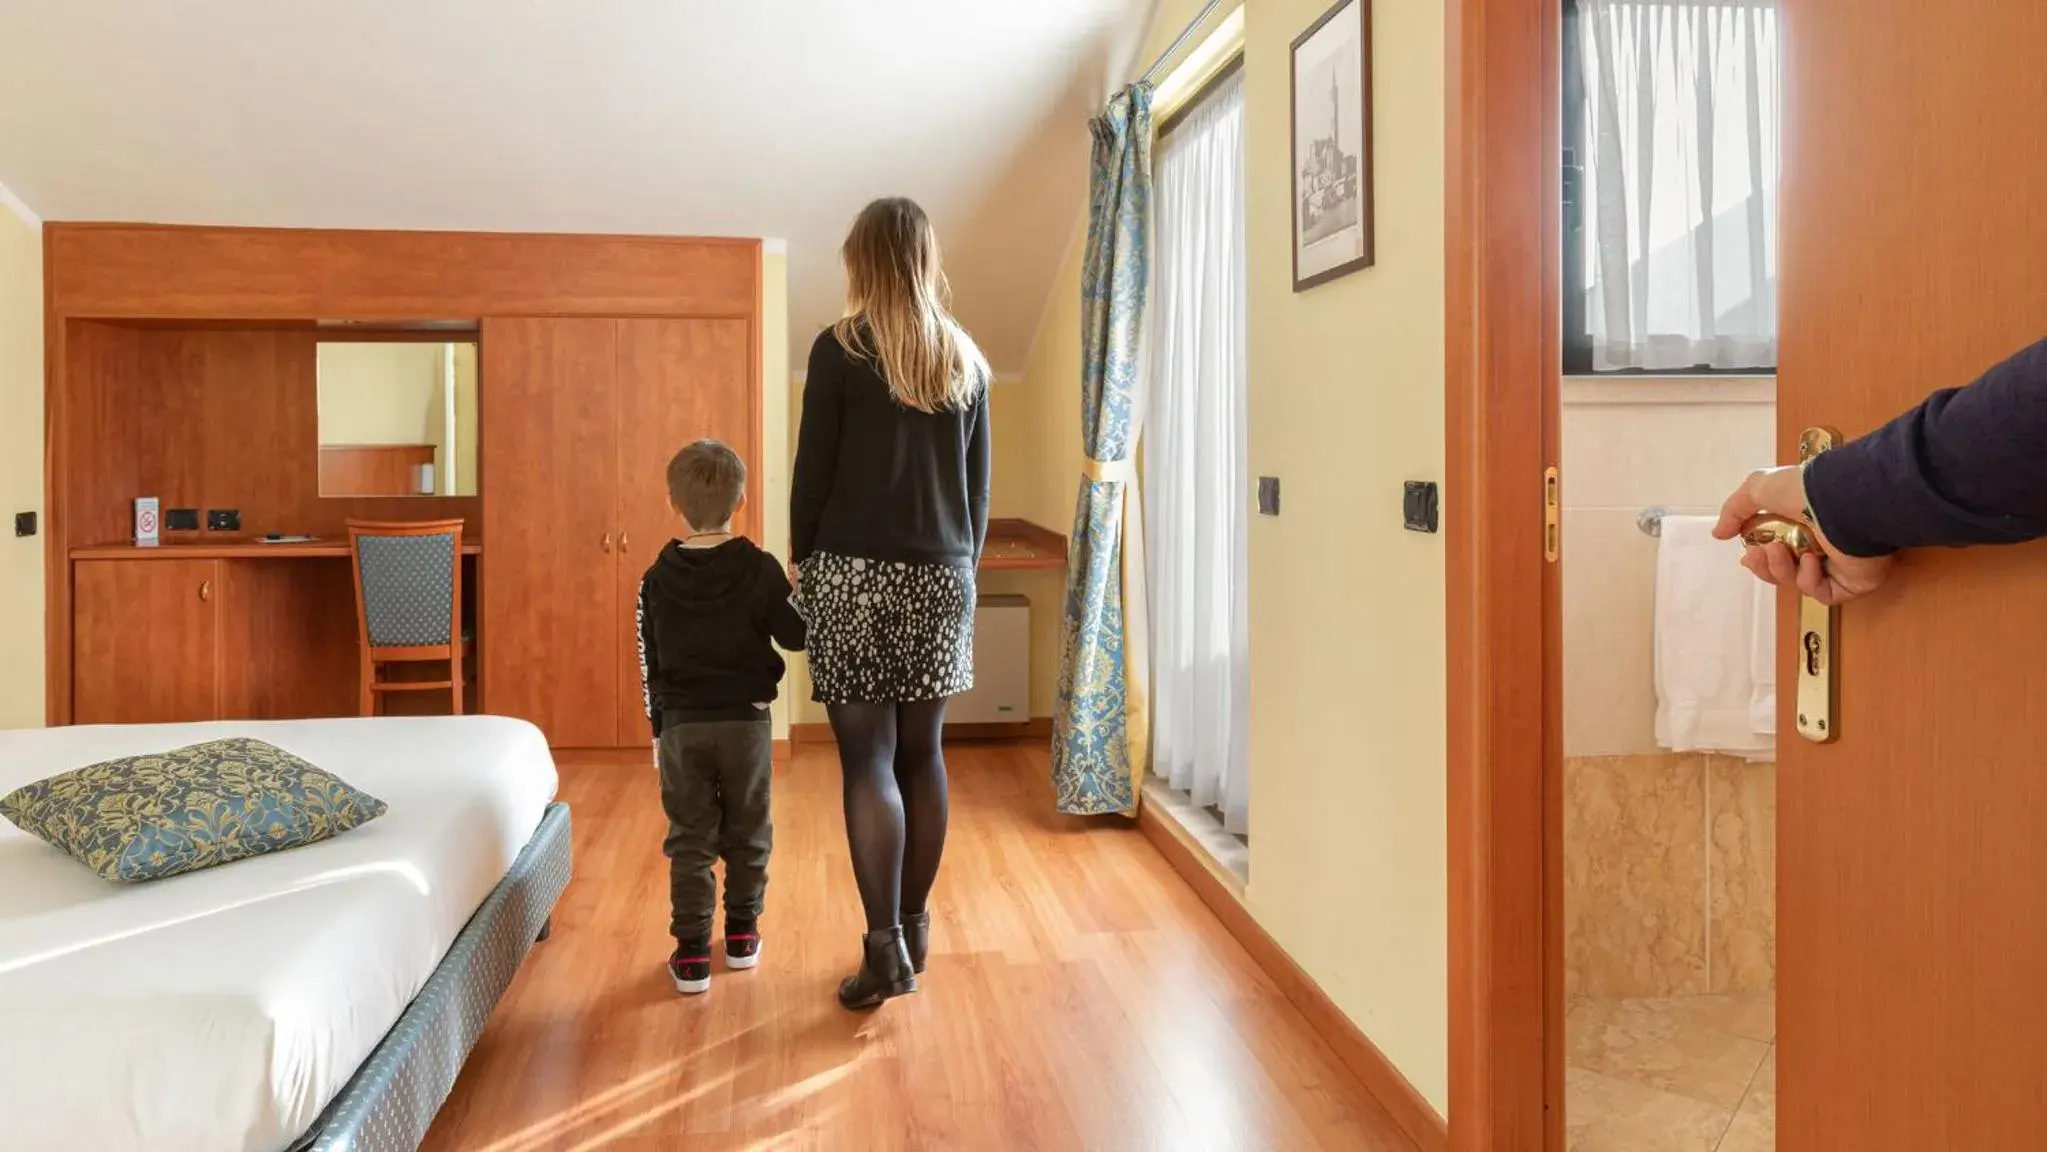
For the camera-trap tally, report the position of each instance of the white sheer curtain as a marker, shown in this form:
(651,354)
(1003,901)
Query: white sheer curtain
(1683,100)
(1196,470)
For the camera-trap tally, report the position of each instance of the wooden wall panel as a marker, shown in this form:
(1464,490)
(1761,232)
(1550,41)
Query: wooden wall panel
(138,270)
(372,469)
(206,419)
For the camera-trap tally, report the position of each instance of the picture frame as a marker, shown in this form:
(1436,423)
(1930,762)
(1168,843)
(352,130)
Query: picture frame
(1330,144)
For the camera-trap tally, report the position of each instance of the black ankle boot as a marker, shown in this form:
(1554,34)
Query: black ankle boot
(917,939)
(885,971)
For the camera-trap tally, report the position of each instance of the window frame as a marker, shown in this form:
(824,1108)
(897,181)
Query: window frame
(1576,338)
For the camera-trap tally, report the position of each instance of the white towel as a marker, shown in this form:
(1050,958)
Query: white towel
(1706,631)
(1762,708)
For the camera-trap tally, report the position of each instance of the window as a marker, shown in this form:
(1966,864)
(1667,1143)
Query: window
(1671,114)
(1197,457)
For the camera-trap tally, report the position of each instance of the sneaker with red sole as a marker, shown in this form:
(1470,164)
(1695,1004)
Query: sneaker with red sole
(690,969)
(742,945)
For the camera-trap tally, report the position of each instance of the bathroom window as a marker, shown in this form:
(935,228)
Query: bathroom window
(1196,458)
(1671,160)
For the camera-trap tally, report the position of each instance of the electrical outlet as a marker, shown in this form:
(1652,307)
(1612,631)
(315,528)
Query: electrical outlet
(223,520)
(1268,495)
(24,523)
(1418,506)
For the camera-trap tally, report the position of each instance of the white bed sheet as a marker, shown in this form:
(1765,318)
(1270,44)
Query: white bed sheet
(223,1009)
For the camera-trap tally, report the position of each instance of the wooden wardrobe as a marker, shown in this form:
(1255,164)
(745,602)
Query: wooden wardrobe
(181,366)
(580,419)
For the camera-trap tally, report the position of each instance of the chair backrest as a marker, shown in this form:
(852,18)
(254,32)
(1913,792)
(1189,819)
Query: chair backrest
(408,582)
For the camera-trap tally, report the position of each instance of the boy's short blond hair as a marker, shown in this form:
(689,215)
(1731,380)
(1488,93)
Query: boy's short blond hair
(705,482)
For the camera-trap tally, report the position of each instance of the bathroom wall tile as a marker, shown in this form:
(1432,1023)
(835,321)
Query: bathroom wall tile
(1617,456)
(1742,800)
(1608,1114)
(1634,876)
(1609,611)
(1649,1044)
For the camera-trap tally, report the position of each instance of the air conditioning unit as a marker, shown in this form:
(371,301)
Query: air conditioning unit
(1002,665)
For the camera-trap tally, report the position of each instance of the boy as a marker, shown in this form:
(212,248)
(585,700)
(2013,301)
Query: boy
(711,610)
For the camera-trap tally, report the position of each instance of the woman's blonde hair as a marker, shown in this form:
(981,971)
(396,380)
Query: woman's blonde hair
(898,310)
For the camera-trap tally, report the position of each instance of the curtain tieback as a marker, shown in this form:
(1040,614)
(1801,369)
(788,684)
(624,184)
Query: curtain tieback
(1111,471)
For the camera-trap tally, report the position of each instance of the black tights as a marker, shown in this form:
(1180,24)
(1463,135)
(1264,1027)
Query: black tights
(895,803)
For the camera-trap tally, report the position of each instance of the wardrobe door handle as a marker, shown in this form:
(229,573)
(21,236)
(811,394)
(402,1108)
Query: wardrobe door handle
(607,541)
(206,591)
(623,540)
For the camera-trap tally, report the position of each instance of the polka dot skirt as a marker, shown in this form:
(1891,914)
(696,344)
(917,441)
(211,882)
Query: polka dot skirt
(887,633)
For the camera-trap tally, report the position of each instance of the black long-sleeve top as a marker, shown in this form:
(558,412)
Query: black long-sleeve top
(878,481)
(1967,466)
(709,620)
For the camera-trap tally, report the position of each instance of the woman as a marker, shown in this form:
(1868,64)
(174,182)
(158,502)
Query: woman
(888,513)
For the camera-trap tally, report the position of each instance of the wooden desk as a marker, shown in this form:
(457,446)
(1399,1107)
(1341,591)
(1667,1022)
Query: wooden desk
(1019,545)
(238,549)
(219,630)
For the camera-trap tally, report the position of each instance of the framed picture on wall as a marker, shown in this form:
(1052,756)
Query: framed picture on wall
(1332,145)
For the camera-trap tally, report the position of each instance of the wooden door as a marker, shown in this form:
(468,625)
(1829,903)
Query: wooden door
(1912,866)
(145,641)
(679,381)
(549,474)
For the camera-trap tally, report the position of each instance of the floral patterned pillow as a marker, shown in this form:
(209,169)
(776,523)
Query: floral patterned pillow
(152,816)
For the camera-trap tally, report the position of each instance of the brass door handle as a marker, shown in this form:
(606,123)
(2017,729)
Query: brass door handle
(1818,625)
(206,590)
(623,540)
(1767,529)
(607,541)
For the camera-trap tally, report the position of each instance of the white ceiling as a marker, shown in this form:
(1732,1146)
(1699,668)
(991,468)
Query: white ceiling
(772,118)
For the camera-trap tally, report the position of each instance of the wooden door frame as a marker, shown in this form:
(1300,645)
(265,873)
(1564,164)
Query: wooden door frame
(1502,361)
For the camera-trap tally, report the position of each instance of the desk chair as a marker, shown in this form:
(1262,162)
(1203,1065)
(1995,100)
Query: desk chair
(408,600)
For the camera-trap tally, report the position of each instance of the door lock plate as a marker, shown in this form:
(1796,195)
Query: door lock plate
(1818,628)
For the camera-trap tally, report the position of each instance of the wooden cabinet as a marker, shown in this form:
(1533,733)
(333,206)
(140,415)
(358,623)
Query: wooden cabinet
(165,639)
(580,418)
(146,638)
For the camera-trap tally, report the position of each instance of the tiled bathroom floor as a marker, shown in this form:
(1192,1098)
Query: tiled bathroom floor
(1689,1074)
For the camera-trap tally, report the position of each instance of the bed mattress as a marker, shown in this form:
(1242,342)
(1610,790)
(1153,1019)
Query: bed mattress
(223,1009)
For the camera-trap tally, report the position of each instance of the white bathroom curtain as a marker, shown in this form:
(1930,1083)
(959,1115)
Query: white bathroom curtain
(1196,461)
(1683,102)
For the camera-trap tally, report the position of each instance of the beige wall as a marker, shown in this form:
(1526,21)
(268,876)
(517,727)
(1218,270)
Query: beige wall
(21,471)
(1348,852)
(1347,615)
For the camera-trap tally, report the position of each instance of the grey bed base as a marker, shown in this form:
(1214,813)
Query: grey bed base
(388,1104)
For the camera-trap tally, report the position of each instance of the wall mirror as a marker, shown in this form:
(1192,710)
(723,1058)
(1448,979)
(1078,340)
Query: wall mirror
(397,417)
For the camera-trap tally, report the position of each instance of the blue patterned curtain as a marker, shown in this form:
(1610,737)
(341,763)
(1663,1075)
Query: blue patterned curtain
(1097,734)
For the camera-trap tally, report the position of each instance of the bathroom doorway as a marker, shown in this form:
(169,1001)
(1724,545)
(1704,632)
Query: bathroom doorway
(1669,710)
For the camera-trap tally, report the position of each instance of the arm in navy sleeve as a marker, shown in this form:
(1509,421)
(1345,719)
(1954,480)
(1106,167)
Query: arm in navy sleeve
(817,447)
(1967,466)
(980,469)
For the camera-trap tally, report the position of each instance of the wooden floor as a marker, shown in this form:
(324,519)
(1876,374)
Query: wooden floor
(1079,997)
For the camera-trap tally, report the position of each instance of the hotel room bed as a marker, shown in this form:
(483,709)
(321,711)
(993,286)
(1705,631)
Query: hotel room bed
(321,998)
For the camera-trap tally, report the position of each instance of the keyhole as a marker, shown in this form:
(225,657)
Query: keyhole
(1812,653)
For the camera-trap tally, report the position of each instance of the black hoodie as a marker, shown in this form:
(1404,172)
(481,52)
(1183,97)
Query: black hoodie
(709,621)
